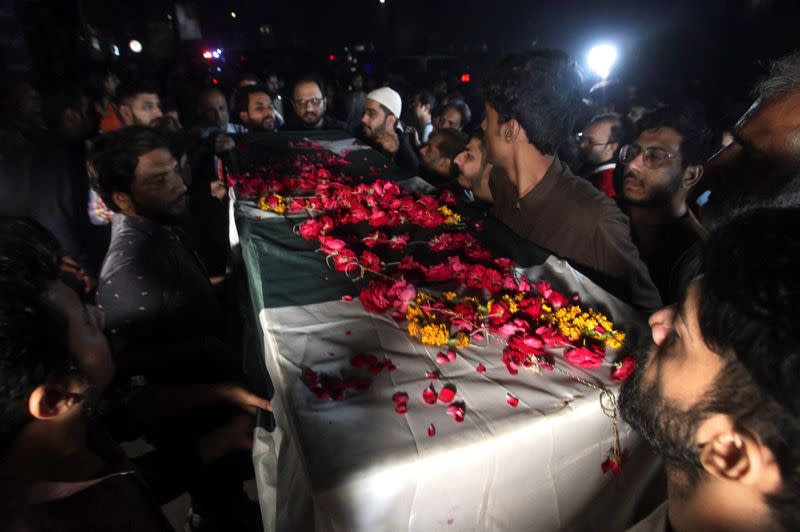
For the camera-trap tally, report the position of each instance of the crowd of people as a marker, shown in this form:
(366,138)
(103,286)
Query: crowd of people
(118,321)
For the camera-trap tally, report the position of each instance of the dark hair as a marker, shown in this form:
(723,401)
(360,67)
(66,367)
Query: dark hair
(129,91)
(748,313)
(249,76)
(27,247)
(618,133)
(452,141)
(477,133)
(243,97)
(688,121)
(33,337)
(114,157)
(426,97)
(462,108)
(541,90)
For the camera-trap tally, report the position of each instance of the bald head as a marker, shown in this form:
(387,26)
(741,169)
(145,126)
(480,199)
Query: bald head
(212,109)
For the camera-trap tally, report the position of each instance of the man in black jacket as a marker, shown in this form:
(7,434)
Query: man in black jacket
(383,130)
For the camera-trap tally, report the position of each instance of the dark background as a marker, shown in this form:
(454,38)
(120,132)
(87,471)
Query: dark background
(713,50)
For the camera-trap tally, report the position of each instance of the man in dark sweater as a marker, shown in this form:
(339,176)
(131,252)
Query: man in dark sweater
(661,167)
(531,104)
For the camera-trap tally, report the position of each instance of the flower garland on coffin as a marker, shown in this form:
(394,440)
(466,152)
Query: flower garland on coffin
(528,316)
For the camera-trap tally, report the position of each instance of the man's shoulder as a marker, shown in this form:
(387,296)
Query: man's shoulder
(655,522)
(583,195)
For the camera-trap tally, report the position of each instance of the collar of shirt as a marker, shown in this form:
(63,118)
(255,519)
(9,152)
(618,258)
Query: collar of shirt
(140,224)
(541,191)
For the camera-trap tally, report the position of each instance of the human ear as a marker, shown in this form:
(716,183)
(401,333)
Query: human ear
(692,175)
(731,454)
(127,114)
(49,401)
(122,200)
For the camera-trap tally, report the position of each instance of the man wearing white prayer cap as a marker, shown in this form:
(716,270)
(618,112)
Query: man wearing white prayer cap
(383,130)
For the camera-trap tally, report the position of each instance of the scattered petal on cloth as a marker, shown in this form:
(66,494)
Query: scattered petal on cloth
(429,395)
(441,358)
(309,376)
(623,370)
(512,400)
(447,394)
(451,356)
(457,410)
(401,408)
(400,397)
(347,298)
(432,375)
(431,431)
(480,368)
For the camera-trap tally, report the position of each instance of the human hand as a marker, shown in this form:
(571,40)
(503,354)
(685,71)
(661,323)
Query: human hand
(239,396)
(389,142)
(236,436)
(413,136)
(223,143)
(70,266)
(218,189)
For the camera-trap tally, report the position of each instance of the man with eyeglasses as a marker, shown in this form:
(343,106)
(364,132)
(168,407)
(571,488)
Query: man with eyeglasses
(599,144)
(309,106)
(661,167)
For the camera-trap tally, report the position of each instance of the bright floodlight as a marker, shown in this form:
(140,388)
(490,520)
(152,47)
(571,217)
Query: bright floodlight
(135,46)
(601,59)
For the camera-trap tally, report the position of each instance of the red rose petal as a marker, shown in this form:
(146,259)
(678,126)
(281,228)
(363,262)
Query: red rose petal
(480,368)
(401,408)
(309,376)
(348,333)
(451,356)
(431,431)
(347,298)
(400,397)
(457,411)
(432,375)
(374,370)
(359,361)
(441,358)
(429,395)
(511,400)
(447,394)
(372,360)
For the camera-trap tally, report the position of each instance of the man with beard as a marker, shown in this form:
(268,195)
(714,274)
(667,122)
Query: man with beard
(438,154)
(762,163)
(152,285)
(308,102)
(474,169)
(139,104)
(599,144)
(255,109)
(382,128)
(716,391)
(661,168)
(531,103)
